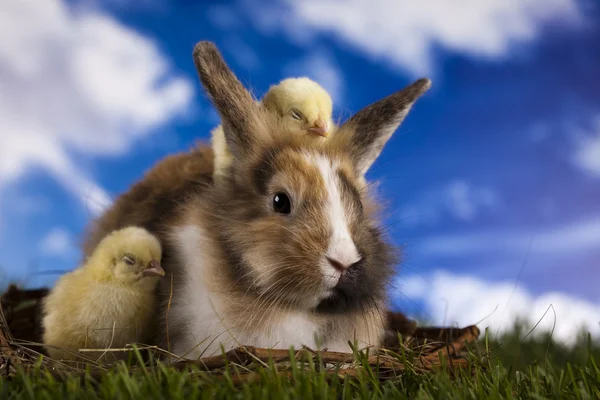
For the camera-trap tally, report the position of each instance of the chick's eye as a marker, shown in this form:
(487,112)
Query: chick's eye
(129,259)
(296,114)
(282,204)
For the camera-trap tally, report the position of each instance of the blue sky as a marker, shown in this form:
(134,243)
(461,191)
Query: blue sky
(492,182)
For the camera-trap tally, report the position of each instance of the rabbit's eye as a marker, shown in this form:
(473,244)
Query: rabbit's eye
(129,259)
(281,203)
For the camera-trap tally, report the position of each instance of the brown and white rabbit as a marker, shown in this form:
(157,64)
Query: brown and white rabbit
(286,250)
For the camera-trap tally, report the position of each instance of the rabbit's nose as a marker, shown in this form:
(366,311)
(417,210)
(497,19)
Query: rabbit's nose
(338,265)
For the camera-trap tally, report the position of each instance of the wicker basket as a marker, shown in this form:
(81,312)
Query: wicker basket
(21,335)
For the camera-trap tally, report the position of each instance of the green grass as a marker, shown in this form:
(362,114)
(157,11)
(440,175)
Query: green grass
(508,367)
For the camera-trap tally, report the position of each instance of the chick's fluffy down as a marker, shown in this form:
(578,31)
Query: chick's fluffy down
(304,107)
(109,301)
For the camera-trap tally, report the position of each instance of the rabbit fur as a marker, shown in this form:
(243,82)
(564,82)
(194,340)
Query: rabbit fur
(238,271)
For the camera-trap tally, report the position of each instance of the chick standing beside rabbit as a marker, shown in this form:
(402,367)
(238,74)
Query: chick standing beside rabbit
(108,302)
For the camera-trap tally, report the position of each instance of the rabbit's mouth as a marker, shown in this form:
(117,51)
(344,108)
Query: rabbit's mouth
(342,295)
(337,301)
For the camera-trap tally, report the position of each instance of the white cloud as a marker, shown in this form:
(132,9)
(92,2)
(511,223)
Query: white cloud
(406,32)
(465,199)
(460,199)
(77,81)
(321,67)
(57,243)
(465,300)
(581,235)
(587,150)
(93,197)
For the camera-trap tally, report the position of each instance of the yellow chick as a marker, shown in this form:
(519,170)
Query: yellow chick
(109,301)
(303,106)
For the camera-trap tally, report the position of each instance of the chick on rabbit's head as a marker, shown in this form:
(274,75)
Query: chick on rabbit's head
(130,256)
(303,105)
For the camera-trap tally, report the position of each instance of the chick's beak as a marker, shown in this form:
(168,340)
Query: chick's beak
(154,269)
(321,128)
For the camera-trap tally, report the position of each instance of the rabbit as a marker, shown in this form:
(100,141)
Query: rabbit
(287,249)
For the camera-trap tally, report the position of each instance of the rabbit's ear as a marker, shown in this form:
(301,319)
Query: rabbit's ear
(367,132)
(239,111)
